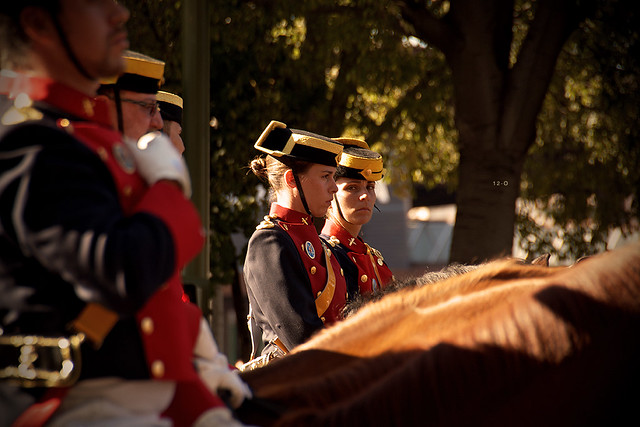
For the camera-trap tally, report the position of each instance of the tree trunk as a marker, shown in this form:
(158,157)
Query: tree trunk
(489,175)
(488,187)
(496,108)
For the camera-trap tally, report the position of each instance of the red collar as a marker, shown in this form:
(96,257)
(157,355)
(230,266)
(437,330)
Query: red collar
(55,94)
(355,244)
(290,215)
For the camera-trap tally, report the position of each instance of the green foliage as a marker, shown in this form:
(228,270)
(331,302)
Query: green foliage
(155,30)
(336,68)
(348,67)
(587,142)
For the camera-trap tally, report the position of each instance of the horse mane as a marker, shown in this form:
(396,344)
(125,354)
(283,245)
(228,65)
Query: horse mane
(410,308)
(451,270)
(429,277)
(503,344)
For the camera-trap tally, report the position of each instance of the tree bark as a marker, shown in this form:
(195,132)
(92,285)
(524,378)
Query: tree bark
(496,109)
(488,186)
(488,175)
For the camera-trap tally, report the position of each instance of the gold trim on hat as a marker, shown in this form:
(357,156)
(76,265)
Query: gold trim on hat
(295,139)
(352,142)
(370,169)
(169,98)
(141,65)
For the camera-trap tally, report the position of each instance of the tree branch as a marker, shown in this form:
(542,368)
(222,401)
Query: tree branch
(427,27)
(529,79)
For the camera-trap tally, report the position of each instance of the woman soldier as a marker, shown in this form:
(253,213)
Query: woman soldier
(294,285)
(358,170)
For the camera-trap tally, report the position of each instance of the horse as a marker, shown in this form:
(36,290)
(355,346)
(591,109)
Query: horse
(503,344)
(428,277)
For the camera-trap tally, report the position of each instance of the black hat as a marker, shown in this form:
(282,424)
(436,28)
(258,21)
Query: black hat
(142,74)
(280,141)
(12,8)
(170,106)
(356,165)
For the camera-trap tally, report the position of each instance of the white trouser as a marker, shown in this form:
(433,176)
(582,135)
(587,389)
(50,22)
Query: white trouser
(114,402)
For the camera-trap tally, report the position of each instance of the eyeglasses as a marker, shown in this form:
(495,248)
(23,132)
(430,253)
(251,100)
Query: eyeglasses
(152,107)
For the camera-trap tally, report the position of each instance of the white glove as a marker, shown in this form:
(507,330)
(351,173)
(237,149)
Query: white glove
(157,159)
(213,367)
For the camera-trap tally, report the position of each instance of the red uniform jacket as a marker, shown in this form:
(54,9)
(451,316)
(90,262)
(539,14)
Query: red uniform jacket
(167,325)
(285,270)
(372,272)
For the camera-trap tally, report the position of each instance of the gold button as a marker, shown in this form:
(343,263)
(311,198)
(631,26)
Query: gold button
(363,278)
(103,153)
(127,190)
(87,104)
(380,262)
(147,325)
(313,269)
(341,272)
(64,123)
(323,319)
(157,369)
(319,293)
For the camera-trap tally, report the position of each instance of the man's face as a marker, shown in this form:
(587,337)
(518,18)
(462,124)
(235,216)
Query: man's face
(139,113)
(97,35)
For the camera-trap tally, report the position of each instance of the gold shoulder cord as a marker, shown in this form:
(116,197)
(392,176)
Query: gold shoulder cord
(323,300)
(375,267)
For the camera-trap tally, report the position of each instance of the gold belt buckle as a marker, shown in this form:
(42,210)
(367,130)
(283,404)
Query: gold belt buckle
(38,361)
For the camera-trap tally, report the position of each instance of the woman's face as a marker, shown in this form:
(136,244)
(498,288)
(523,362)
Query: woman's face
(356,198)
(319,187)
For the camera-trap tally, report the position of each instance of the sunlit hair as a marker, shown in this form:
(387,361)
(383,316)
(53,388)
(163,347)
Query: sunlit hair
(272,170)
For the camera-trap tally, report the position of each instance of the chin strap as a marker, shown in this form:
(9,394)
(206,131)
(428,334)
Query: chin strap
(304,200)
(118,102)
(335,199)
(67,47)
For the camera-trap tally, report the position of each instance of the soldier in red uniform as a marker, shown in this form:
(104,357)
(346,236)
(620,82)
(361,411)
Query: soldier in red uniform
(294,285)
(132,96)
(93,235)
(358,170)
(171,106)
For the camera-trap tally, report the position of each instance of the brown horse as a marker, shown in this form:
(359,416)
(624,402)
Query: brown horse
(506,344)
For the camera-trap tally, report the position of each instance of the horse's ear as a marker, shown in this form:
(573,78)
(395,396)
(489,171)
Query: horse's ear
(542,260)
(582,258)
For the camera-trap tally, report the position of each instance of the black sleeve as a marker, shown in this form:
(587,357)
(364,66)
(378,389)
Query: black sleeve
(279,287)
(61,208)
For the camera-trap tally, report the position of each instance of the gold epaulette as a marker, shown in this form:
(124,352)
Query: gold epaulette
(333,241)
(375,252)
(15,115)
(266,223)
